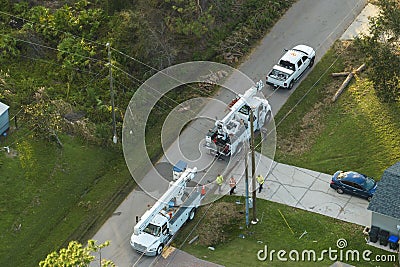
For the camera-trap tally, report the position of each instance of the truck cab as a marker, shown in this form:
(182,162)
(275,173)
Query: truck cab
(155,235)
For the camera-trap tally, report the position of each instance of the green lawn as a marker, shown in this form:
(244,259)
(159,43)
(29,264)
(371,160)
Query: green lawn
(50,195)
(272,230)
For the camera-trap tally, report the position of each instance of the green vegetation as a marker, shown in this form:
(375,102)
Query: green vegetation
(76,255)
(381,49)
(63,177)
(241,244)
(51,195)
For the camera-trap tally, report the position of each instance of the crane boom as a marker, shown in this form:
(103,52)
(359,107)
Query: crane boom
(243,99)
(175,190)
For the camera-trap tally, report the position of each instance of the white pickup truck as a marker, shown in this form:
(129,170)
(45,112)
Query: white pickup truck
(291,67)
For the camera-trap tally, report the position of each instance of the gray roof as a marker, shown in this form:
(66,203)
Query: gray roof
(3,108)
(386,199)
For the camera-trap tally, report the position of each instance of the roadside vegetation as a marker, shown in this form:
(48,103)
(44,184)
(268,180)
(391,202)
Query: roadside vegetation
(63,176)
(280,227)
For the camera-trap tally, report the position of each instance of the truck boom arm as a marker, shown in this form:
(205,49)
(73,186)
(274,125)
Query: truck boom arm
(252,91)
(175,189)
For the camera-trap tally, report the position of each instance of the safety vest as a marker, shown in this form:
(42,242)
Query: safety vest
(220,180)
(260,179)
(232,182)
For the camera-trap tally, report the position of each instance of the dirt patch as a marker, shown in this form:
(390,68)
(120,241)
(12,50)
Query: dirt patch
(221,217)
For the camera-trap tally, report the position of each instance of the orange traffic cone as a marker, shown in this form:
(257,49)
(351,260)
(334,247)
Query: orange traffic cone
(203,190)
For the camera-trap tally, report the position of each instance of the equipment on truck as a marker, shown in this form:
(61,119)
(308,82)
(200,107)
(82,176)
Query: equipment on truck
(233,130)
(158,224)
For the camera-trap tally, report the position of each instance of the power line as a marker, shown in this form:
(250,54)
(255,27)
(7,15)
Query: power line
(163,95)
(67,33)
(299,101)
(32,130)
(52,48)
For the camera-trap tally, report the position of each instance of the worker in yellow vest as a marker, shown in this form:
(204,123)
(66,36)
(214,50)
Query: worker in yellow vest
(219,181)
(260,181)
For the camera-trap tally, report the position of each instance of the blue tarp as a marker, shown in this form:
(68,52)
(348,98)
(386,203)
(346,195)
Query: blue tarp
(180,166)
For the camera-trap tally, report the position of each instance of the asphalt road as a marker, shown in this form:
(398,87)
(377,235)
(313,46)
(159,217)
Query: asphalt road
(311,22)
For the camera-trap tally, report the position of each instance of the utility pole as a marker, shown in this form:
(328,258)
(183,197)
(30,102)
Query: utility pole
(246,185)
(253,166)
(112,94)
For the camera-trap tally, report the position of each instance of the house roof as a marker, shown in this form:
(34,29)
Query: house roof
(3,108)
(386,199)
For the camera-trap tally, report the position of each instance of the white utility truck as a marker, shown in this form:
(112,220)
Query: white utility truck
(228,134)
(160,223)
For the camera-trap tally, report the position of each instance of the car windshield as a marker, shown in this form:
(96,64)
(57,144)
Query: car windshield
(152,229)
(368,184)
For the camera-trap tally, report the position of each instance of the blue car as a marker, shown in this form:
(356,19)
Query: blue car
(354,183)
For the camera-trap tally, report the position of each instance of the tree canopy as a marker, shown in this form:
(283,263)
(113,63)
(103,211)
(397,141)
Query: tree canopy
(75,255)
(382,50)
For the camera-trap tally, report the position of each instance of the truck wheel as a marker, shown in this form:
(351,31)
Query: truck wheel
(311,62)
(290,85)
(191,214)
(160,249)
(268,117)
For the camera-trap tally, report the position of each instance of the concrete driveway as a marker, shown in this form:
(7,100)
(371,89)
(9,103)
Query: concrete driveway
(304,189)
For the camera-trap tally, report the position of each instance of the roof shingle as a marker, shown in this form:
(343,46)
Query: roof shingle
(386,199)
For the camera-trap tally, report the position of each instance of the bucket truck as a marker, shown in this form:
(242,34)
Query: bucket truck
(160,223)
(233,130)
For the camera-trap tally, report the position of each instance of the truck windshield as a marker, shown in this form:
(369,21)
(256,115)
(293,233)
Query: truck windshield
(152,229)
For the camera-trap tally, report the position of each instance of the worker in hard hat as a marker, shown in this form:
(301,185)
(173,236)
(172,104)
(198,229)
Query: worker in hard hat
(219,181)
(260,181)
(232,184)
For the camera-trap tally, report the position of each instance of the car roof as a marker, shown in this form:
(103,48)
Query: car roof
(351,176)
(293,55)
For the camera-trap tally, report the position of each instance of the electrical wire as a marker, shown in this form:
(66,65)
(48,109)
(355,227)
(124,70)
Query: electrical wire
(52,48)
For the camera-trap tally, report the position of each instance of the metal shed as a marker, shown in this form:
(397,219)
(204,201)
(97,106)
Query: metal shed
(4,118)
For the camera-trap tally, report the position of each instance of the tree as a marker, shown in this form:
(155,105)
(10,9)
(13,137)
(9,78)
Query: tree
(382,50)
(189,17)
(75,255)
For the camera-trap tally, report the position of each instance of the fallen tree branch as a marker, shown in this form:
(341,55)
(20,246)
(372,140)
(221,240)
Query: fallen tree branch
(346,82)
(343,86)
(339,74)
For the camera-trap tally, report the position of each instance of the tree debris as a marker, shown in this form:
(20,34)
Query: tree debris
(346,82)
